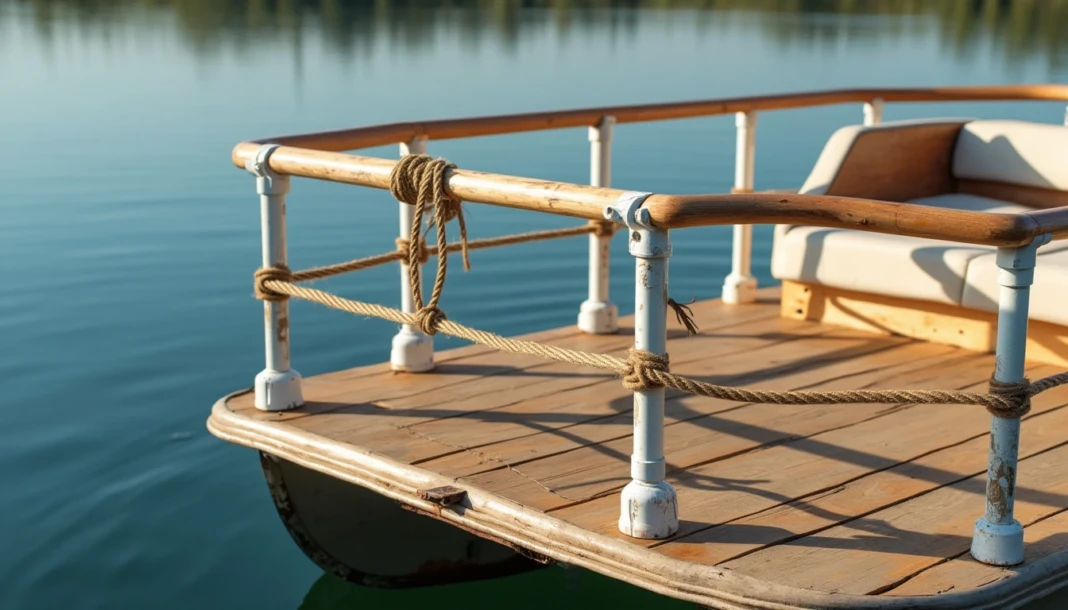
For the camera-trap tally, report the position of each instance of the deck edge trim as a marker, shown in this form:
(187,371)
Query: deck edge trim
(498,517)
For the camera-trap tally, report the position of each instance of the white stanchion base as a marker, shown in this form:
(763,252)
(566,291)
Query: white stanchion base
(648,510)
(413,352)
(598,317)
(278,390)
(998,544)
(739,290)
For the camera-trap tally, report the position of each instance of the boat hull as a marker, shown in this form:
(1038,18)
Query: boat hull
(370,540)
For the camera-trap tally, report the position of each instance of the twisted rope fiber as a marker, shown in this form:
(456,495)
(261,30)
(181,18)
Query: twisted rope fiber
(644,370)
(417,179)
(402,253)
(414,180)
(491,242)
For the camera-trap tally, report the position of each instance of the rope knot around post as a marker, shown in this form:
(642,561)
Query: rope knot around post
(419,179)
(640,371)
(404,247)
(279,273)
(1015,398)
(428,319)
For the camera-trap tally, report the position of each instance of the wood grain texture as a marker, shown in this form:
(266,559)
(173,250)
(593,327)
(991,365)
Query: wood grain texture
(797,501)
(873,555)
(318,156)
(936,322)
(1042,539)
(995,229)
(379,135)
(899,164)
(875,490)
(681,211)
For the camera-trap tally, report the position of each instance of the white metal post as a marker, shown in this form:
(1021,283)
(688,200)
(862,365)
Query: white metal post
(1066,116)
(598,314)
(740,286)
(413,350)
(278,386)
(648,505)
(998,537)
(873,112)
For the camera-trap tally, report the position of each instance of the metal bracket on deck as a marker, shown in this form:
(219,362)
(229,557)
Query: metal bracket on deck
(443,496)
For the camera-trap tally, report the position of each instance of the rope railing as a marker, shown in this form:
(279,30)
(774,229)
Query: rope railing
(401,253)
(645,370)
(431,192)
(419,179)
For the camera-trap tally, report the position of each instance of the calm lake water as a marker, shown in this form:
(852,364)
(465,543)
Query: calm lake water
(128,240)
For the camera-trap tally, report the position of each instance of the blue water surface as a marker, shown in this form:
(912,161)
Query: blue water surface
(128,240)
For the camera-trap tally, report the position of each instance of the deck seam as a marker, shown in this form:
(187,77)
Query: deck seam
(668,426)
(762,447)
(482,457)
(496,516)
(583,422)
(832,489)
(959,555)
(296,415)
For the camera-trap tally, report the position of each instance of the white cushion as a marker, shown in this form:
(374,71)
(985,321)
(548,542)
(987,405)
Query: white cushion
(877,263)
(1049,295)
(1018,152)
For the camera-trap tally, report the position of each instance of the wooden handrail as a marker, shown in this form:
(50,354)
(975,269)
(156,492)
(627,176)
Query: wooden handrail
(380,135)
(680,211)
(317,156)
(988,228)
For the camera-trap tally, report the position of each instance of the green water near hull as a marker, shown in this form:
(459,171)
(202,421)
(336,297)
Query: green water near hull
(127,239)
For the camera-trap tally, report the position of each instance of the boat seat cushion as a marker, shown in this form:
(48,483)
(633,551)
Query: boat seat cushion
(1014,152)
(924,162)
(889,265)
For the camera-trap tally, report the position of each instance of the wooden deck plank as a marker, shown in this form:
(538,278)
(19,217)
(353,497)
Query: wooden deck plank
(379,385)
(880,489)
(875,553)
(611,405)
(559,407)
(480,402)
(747,482)
(551,482)
(1042,539)
(856,499)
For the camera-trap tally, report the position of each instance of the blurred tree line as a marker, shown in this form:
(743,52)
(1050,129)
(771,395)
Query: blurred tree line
(1018,28)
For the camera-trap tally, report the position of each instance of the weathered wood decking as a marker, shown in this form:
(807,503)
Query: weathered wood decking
(799,506)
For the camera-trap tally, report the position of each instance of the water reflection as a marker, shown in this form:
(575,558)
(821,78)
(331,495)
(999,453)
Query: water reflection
(546,588)
(1017,29)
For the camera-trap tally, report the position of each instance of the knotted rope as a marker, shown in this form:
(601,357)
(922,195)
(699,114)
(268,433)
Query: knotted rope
(416,180)
(279,273)
(643,370)
(404,246)
(1017,397)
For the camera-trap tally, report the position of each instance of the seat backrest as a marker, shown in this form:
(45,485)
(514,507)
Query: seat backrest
(894,161)
(1013,152)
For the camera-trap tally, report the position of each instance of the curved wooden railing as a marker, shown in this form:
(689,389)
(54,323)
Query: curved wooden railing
(647,218)
(317,155)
